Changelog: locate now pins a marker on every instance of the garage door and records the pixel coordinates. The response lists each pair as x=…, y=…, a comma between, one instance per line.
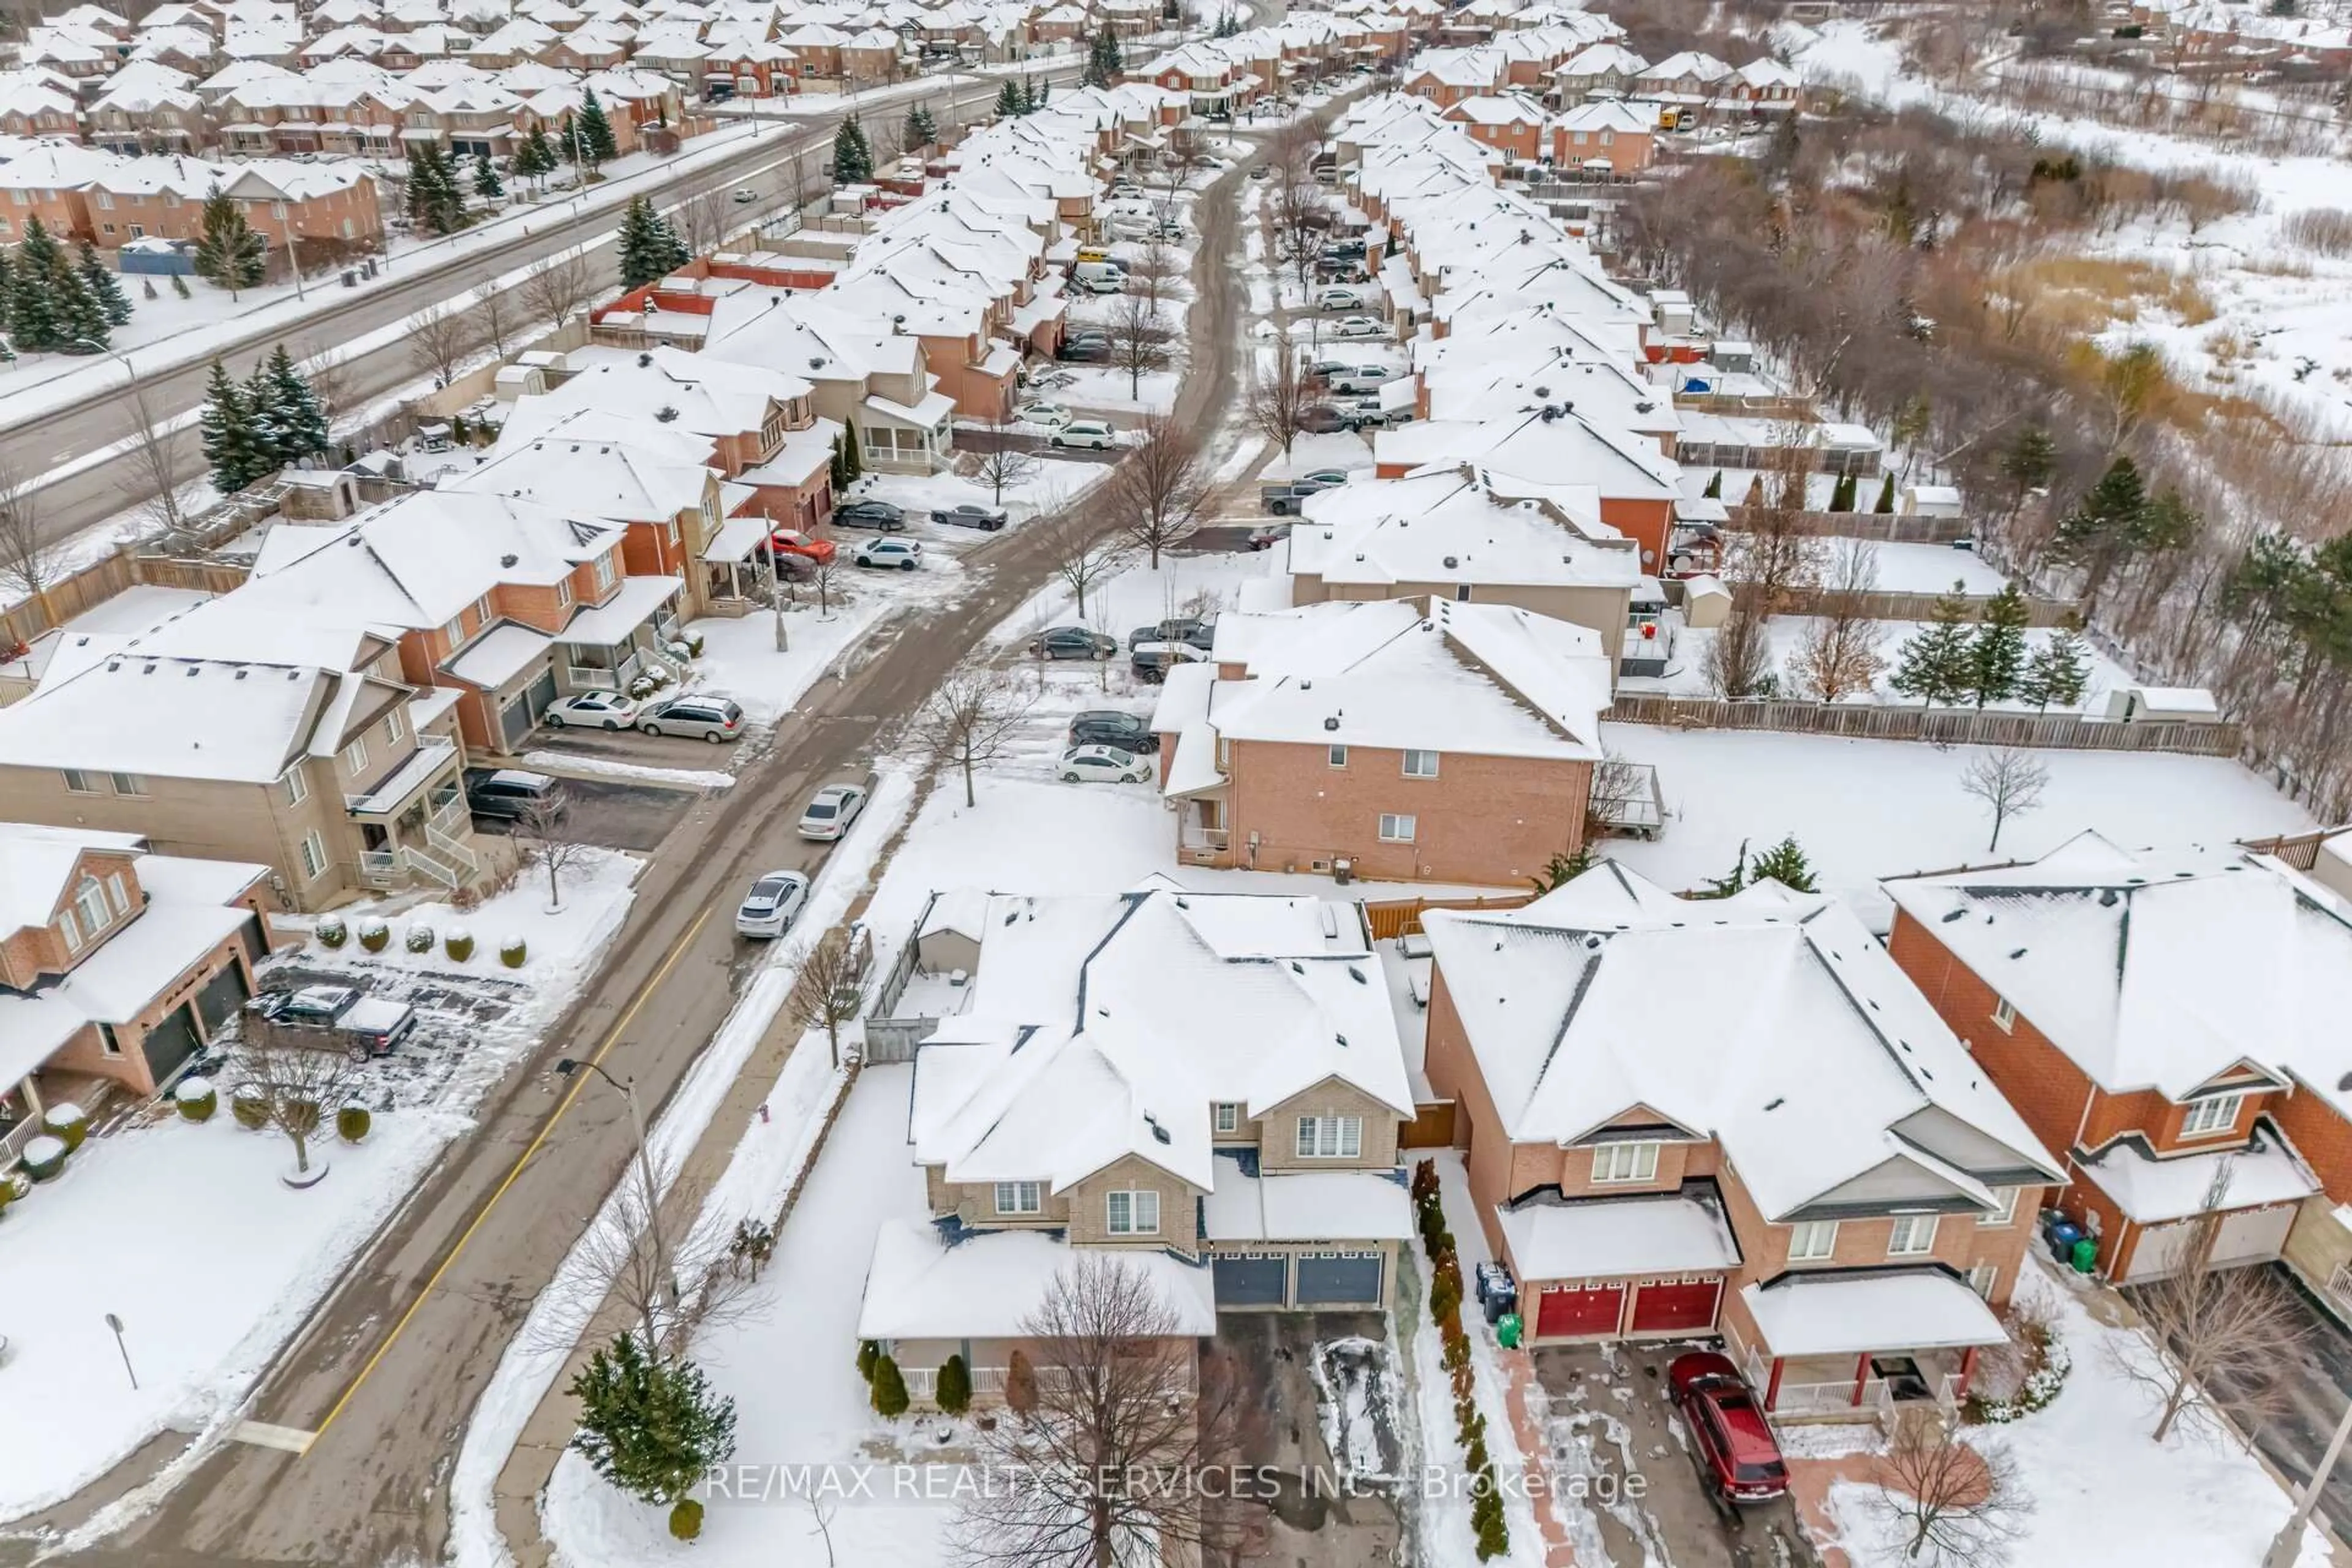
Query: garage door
x=541, y=693
x=2253, y=1236
x=170, y=1043
x=515, y=720
x=1251, y=1279
x=1679, y=1306
x=1339, y=1279
x=1578, y=1309
x=223, y=994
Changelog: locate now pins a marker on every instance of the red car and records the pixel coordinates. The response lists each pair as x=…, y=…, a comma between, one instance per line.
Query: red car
x=1733, y=1441
x=790, y=541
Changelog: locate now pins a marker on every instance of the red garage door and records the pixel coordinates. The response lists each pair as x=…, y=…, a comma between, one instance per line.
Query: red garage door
x=1685, y=1306
x=1578, y=1309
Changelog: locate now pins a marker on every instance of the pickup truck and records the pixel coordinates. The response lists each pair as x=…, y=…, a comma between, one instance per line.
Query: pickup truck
x=1284, y=499
x=337, y=1017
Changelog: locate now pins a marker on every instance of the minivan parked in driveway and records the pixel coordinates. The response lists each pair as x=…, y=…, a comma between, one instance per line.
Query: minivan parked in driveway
x=713, y=718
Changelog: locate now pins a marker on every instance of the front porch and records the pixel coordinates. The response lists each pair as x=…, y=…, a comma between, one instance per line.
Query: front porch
x=1862, y=1346
x=607, y=647
x=896, y=439
x=415, y=825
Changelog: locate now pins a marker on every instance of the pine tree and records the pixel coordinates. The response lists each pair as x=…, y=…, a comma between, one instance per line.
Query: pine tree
x=837, y=468
x=229, y=254
x=1997, y=652
x=1936, y=664
x=434, y=202
x=954, y=1389
x=225, y=428
x=1563, y=868
x=535, y=158
x=1724, y=887
x=111, y=300
x=1841, y=494
x=922, y=130
x=1785, y=863
x=262, y=426
x=1008, y=100
x=567, y=139
x=889, y=1388
x=1034, y=94
x=596, y=143
x=302, y=418
x=2057, y=672
x=651, y=1429
x=2030, y=462
x=2104, y=526
x=650, y=249
x=853, y=461
x=33, y=305
x=1714, y=491
x=1105, y=65
x=487, y=183
x=180, y=287
x=8, y=289
x=1885, y=497
x=853, y=156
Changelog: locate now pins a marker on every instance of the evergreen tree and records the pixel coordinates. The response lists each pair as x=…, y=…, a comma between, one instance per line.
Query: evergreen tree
x=33, y=314
x=853, y=461
x=535, y=158
x=229, y=254
x=1034, y=94
x=1885, y=497
x=651, y=1429
x=1997, y=652
x=1785, y=863
x=261, y=422
x=1714, y=491
x=922, y=130
x=567, y=139
x=8, y=289
x=434, y=202
x=2057, y=672
x=1936, y=664
x=1724, y=887
x=1105, y=65
x=1008, y=100
x=112, y=302
x=1563, y=869
x=180, y=287
x=837, y=469
x=225, y=428
x=889, y=1388
x=300, y=418
x=853, y=156
x=954, y=1388
x=596, y=143
x=650, y=249
x=1841, y=494
x=2104, y=526
x=2030, y=462
x=487, y=183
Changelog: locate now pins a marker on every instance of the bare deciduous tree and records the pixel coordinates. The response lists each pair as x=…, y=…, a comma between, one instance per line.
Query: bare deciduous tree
x=1141, y=340
x=1956, y=1505
x=543, y=829
x=1004, y=464
x=830, y=989
x=1124, y=1421
x=1296, y=210
x=1739, y=661
x=1838, y=655
x=440, y=338
x=330, y=376
x=1082, y=555
x=29, y=562
x=1157, y=274
x=1156, y=492
x=298, y=1077
x=702, y=221
x=556, y=287
x=830, y=582
x=971, y=718
x=498, y=312
x=153, y=469
x=1617, y=783
x=2220, y=1338
x=2010, y=781
x=1278, y=393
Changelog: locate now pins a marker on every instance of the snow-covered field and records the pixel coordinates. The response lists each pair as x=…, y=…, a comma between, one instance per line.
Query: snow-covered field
x=1686, y=674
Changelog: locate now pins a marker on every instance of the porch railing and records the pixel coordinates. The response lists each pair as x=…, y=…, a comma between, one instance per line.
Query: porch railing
x=923, y=1382
x=452, y=848
x=588, y=678
x=379, y=868
x=1835, y=1400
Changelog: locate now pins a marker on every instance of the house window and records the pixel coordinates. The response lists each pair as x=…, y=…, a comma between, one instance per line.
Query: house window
x=1018, y=1197
x=563, y=591
x=395, y=728
x=1335, y=755
x=80, y=782
x=1229, y=1116
x=128, y=783
x=117, y=895
x=1981, y=1278
x=455, y=632
x=356, y=754
x=1421, y=765
x=481, y=612
x=69, y=931
x=1396, y=828
x=89, y=904
x=1812, y=1240
x=2003, y=1016
x=1132, y=1213
x=2006, y=1211
x=2206, y=1117
x=1911, y=1235
x=1625, y=1163
x=603, y=572
x=1331, y=1137
x=314, y=854
x=108, y=1041
x=294, y=787
x=138, y=231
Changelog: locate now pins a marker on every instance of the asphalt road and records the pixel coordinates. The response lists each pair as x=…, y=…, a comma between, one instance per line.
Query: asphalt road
x=399, y=1371
x=38, y=444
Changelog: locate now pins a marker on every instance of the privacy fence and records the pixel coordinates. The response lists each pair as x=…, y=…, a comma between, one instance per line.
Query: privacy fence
x=1941, y=726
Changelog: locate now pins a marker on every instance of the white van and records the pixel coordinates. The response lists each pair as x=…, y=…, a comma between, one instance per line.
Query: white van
x=1100, y=276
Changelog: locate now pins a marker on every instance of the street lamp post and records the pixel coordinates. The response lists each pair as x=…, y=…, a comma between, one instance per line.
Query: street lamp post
x=565, y=1068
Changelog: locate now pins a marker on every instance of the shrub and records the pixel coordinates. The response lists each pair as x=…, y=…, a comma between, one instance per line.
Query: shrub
x=458, y=945
x=1494, y=1535
x=420, y=938
x=1020, y=1385
x=1457, y=1347
x=1445, y=1295
x=512, y=951
x=685, y=1519
x=1424, y=1182
x=1474, y=1456
x=352, y=1123
x=374, y=935
x=465, y=899
x=889, y=1389
x=868, y=1352
x=12, y=1187
x=66, y=1122
x=2327, y=230
x=694, y=644
x=250, y=1107
x=1463, y=1378
x=954, y=1387
x=44, y=1157
x=331, y=931
x=195, y=1098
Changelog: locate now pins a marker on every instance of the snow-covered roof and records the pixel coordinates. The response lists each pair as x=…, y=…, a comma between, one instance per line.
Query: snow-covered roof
x=920, y=1286
x=36, y=863
x=1597, y=1238
x=1807, y=1054
x=177, y=717
x=1448, y=528
x=1834, y=1314
x=1305, y=1206
x=2150, y=1191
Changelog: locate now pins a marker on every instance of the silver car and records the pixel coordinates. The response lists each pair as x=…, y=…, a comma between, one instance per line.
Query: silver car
x=772, y=904
x=831, y=812
x=713, y=718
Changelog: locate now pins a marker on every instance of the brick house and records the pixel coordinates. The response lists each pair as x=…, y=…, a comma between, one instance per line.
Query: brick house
x=1602, y=134
x=1415, y=740
x=2170, y=1021
x=1792, y=1153
x=1198, y=1084
x=117, y=965
x=1511, y=123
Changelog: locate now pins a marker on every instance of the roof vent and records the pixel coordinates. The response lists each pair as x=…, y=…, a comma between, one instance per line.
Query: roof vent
x=1776, y=1103
x=149, y=669
x=1452, y=562
x=1951, y=915
x=666, y=414
x=1332, y=724
x=241, y=674
x=192, y=670
x=1357, y=975
x=644, y=360
x=2017, y=953
x=2107, y=898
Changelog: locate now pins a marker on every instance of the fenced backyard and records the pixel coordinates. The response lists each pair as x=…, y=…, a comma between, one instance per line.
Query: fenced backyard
x=1938, y=726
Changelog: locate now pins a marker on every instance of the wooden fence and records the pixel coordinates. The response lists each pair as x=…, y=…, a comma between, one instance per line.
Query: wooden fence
x=1431, y=1126
x=1886, y=527
x=1887, y=607
x=1942, y=726
x=1401, y=917
x=2300, y=850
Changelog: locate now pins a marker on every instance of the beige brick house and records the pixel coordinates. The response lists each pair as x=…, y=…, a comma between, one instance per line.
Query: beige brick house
x=1733, y=1117
x=1209, y=1086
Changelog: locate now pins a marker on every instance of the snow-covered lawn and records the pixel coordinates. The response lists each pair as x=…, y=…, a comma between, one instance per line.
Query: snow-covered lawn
x=1868, y=809
x=1108, y=389
x=1686, y=673
x=1051, y=482
x=1933, y=569
x=740, y=657
x=2102, y=1492
x=1183, y=585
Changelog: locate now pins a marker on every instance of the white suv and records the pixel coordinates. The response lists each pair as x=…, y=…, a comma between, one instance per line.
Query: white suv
x=1092, y=433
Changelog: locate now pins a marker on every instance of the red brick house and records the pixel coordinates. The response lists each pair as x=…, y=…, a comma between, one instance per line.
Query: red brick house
x=1510, y=123
x=1735, y=1117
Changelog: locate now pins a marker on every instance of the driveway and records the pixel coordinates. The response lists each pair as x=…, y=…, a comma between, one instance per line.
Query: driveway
x=1315, y=1523
x=1611, y=1420
x=616, y=814
x=2316, y=1386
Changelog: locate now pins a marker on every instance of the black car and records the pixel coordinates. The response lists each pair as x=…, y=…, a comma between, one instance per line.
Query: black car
x=1109, y=727
x=1089, y=351
x=878, y=514
x=505, y=793
x=967, y=515
x=1153, y=662
x=1199, y=633
x=1322, y=419
x=1343, y=250
x=1071, y=642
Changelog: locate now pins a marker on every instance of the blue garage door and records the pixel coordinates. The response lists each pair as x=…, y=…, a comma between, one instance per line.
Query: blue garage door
x=1339, y=1279
x=1251, y=1279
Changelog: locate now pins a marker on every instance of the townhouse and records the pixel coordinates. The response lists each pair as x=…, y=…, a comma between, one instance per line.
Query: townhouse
x=1204, y=1087
x=118, y=965
x=1397, y=740
x=111, y=199
x=1791, y=1150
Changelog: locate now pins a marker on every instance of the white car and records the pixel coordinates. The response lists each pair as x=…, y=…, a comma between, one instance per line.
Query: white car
x=1357, y=327
x=831, y=811
x=1103, y=764
x=1085, y=432
x=774, y=903
x=1101, y=284
x=595, y=711
x=745, y=196
x=1340, y=297
x=904, y=555
x=1046, y=416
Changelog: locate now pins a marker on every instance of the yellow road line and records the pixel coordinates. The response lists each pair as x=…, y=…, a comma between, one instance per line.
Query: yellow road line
x=579, y=1081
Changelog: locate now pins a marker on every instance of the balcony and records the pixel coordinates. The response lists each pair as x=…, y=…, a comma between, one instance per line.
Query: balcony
x=396, y=790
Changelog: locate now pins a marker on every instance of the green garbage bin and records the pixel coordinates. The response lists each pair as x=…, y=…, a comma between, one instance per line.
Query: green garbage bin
x=2086, y=1255
x=1508, y=1330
